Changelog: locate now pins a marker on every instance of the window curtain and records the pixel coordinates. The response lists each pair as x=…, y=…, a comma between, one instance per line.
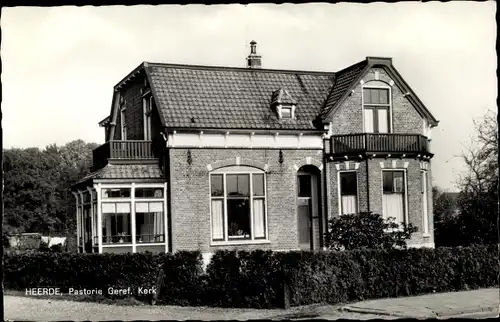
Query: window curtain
x=393, y=206
x=349, y=204
x=156, y=210
x=258, y=218
x=368, y=120
x=383, y=126
x=217, y=219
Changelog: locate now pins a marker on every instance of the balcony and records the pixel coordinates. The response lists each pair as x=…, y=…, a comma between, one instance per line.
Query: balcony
x=410, y=145
x=122, y=150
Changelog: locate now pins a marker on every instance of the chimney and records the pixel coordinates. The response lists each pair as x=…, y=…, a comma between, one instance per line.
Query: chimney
x=253, y=60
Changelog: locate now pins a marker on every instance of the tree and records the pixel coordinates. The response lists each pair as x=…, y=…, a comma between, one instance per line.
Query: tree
x=478, y=199
x=36, y=183
x=446, y=232
x=366, y=230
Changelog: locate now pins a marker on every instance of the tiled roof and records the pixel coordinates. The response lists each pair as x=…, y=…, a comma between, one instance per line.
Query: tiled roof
x=343, y=80
x=231, y=98
x=126, y=171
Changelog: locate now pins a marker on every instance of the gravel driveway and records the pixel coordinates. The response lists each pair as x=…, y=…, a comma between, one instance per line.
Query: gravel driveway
x=28, y=308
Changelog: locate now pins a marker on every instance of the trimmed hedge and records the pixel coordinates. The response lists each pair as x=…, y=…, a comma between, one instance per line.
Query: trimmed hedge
x=263, y=279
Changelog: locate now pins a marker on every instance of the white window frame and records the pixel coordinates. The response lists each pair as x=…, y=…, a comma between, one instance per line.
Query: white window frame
x=132, y=200
x=246, y=171
x=388, y=87
x=147, y=108
x=405, y=184
x=339, y=192
x=425, y=202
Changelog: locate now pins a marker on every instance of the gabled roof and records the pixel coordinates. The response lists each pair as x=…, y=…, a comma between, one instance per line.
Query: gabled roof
x=209, y=97
x=344, y=79
x=235, y=98
x=282, y=96
x=347, y=79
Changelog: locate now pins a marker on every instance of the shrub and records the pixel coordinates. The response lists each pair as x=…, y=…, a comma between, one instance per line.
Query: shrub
x=367, y=230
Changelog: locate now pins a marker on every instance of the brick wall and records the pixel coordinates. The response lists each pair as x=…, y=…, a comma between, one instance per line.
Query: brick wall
x=190, y=195
x=349, y=117
x=414, y=195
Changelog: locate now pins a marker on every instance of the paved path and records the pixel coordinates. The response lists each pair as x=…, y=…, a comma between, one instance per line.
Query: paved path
x=479, y=303
x=468, y=303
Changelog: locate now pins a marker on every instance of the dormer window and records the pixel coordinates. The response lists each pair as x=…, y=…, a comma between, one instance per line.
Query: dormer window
x=283, y=104
x=286, y=113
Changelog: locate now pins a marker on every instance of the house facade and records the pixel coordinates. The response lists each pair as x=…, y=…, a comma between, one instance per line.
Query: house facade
x=207, y=158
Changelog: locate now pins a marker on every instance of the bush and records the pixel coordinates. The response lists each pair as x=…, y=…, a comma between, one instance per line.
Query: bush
x=262, y=279
x=367, y=230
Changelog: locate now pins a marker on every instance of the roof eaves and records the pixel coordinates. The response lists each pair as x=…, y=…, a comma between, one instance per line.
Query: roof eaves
x=130, y=75
x=147, y=66
x=351, y=86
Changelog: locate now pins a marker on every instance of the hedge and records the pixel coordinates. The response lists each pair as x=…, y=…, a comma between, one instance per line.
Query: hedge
x=263, y=279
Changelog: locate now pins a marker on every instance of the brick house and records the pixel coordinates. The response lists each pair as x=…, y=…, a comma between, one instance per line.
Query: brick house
x=205, y=158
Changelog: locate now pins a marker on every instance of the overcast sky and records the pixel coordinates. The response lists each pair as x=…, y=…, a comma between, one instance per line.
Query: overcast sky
x=60, y=64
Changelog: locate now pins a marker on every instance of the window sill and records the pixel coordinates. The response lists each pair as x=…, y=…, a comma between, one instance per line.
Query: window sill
x=426, y=235
x=240, y=242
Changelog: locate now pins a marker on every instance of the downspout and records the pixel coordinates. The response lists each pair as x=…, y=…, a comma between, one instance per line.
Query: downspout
x=168, y=176
x=325, y=215
x=367, y=186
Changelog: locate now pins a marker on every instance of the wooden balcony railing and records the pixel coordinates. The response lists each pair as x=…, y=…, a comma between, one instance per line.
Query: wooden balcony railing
x=125, y=150
x=379, y=143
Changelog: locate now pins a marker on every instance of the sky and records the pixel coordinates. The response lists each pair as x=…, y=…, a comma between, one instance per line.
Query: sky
x=60, y=63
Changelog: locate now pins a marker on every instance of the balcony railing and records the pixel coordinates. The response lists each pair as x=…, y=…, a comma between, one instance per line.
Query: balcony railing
x=378, y=143
x=125, y=150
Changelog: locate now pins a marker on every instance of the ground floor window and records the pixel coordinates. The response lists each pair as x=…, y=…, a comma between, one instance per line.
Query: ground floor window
x=348, y=192
x=116, y=222
x=149, y=225
x=393, y=197
x=238, y=206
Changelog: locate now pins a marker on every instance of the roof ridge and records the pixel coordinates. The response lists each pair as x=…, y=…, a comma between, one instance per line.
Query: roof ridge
x=243, y=69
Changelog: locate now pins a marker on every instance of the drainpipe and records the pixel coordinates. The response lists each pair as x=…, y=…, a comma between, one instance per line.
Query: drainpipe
x=367, y=186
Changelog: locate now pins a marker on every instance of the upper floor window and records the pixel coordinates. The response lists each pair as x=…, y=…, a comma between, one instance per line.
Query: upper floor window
x=376, y=109
x=123, y=124
x=147, y=103
x=238, y=205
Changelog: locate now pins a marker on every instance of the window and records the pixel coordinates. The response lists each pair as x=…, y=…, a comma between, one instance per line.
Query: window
x=116, y=222
x=238, y=201
x=149, y=226
x=348, y=192
x=149, y=192
x=286, y=113
x=123, y=124
x=116, y=193
x=393, y=198
x=376, y=104
x=147, y=108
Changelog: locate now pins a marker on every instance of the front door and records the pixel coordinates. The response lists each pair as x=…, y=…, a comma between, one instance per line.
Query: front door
x=306, y=208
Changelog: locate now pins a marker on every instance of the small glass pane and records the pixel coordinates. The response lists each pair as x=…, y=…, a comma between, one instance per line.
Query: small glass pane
x=374, y=96
x=116, y=193
x=304, y=186
x=286, y=113
x=384, y=96
x=387, y=181
x=398, y=182
x=237, y=185
x=348, y=183
x=216, y=186
x=258, y=184
x=149, y=192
